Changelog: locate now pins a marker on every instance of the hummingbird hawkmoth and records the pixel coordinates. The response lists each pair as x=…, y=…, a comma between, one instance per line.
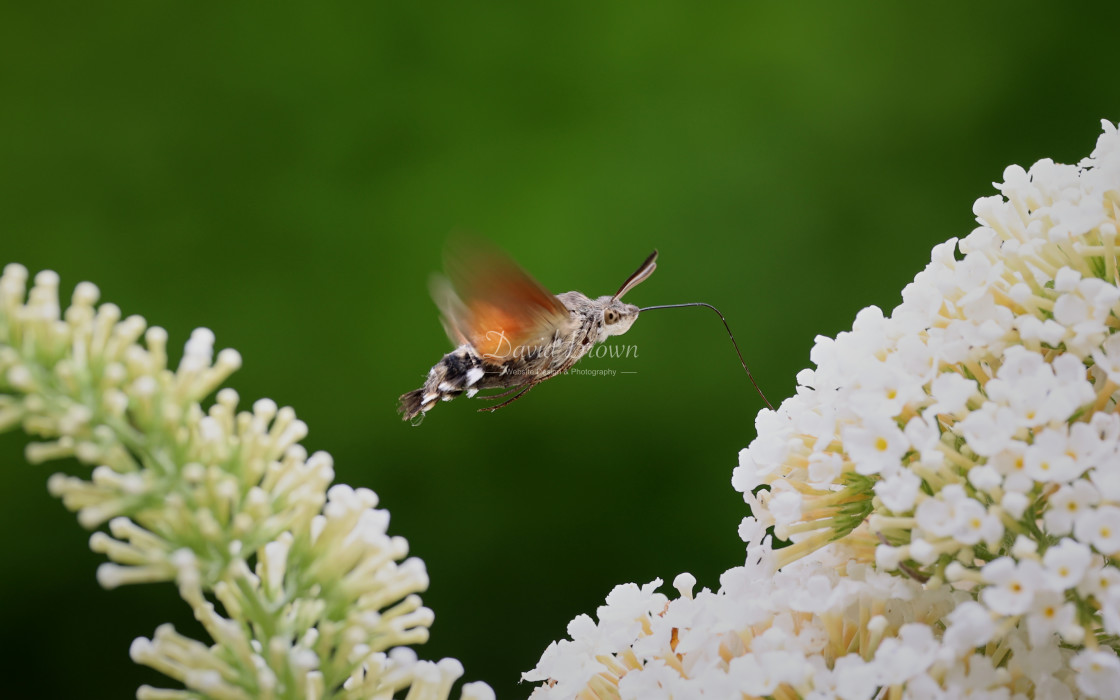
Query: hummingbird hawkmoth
x=511, y=332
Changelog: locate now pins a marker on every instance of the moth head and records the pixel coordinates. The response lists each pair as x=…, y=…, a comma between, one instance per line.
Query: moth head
x=618, y=316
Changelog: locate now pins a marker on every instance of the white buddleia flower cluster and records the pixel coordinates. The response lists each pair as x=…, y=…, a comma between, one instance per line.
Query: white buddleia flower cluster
x=315, y=598
x=817, y=629
x=967, y=448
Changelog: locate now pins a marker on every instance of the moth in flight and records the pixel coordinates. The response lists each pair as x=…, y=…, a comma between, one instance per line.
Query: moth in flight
x=512, y=333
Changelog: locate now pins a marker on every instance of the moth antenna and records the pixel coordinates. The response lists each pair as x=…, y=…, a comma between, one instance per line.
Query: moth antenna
x=640, y=275
x=729, y=335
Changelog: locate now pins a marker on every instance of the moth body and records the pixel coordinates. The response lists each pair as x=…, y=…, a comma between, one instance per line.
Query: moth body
x=505, y=365
x=511, y=333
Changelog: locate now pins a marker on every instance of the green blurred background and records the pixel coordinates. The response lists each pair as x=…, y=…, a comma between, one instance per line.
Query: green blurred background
x=287, y=175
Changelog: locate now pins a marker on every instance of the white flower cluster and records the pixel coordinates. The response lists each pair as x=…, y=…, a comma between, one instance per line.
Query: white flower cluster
x=968, y=445
x=316, y=598
x=820, y=628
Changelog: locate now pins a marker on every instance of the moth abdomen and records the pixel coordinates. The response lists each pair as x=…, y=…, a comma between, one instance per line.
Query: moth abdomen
x=457, y=373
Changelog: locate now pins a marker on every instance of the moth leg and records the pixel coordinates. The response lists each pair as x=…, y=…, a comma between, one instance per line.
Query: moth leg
x=519, y=394
x=508, y=401
x=507, y=392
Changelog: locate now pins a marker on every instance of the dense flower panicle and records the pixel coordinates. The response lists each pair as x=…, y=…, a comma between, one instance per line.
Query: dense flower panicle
x=316, y=599
x=818, y=628
x=968, y=446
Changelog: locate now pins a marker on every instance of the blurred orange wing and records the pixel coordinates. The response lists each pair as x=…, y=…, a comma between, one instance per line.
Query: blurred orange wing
x=493, y=304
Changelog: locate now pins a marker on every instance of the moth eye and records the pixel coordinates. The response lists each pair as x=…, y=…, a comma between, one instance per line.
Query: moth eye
x=610, y=316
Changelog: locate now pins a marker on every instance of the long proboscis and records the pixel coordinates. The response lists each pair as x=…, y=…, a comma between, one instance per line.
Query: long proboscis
x=729, y=335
